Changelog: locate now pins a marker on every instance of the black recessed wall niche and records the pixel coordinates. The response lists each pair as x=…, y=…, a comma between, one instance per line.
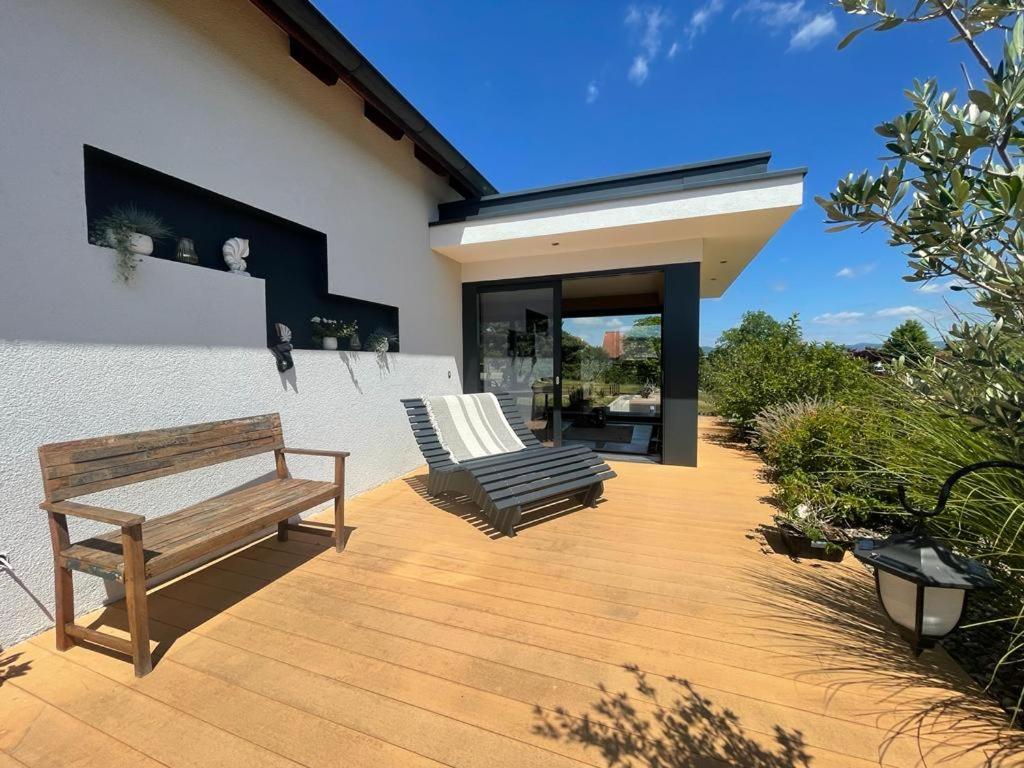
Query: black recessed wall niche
x=290, y=258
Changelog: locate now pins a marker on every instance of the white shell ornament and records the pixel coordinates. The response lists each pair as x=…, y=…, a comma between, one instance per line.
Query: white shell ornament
x=236, y=251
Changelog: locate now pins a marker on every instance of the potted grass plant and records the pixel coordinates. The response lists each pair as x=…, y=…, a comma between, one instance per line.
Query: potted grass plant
x=131, y=232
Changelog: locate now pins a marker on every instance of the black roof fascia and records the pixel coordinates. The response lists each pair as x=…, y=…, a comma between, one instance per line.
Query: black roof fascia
x=690, y=176
x=303, y=22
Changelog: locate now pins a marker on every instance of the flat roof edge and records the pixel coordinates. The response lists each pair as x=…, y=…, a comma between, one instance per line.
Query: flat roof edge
x=613, y=188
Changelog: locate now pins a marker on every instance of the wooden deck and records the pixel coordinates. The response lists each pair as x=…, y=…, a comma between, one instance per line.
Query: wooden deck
x=658, y=629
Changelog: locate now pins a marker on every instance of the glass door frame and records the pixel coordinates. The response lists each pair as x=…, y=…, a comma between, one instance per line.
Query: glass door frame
x=471, y=358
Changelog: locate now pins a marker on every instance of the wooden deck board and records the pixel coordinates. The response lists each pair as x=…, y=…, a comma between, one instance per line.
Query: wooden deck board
x=430, y=642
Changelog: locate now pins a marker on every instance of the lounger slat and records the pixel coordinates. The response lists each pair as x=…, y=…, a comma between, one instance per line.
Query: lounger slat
x=541, y=482
x=497, y=485
x=548, y=464
x=556, y=491
x=502, y=463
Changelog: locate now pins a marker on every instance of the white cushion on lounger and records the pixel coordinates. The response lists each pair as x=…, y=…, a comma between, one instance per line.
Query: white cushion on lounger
x=472, y=426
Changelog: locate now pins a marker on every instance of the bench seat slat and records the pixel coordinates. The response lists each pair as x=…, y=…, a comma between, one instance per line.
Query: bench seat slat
x=189, y=533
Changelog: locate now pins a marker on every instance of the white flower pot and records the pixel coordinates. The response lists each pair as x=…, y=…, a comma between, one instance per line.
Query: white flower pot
x=330, y=342
x=140, y=245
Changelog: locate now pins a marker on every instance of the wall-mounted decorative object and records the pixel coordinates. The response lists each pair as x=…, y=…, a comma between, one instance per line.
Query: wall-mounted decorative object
x=187, y=251
x=328, y=331
x=380, y=341
x=236, y=251
x=283, y=349
x=354, y=343
x=131, y=232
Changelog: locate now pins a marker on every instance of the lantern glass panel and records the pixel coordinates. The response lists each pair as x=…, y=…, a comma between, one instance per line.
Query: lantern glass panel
x=942, y=610
x=942, y=606
x=899, y=598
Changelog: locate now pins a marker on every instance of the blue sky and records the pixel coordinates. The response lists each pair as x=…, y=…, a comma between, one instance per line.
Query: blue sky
x=542, y=93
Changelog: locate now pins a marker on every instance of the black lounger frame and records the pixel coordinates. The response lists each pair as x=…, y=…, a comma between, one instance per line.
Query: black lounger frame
x=506, y=485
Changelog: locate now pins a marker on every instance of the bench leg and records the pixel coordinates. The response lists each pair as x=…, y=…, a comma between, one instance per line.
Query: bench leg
x=282, y=531
x=135, y=599
x=339, y=504
x=339, y=524
x=63, y=588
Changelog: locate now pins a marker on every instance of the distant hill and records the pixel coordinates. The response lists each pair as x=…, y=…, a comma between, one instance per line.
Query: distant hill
x=862, y=347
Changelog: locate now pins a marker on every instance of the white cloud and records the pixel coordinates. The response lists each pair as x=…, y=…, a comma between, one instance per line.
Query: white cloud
x=701, y=18
x=904, y=311
x=673, y=50
x=813, y=32
x=592, y=92
x=779, y=286
x=807, y=29
x=776, y=15
x=939, y=286
x=648, y=22
x=639, y=71
x=856, y=271
x=837, y=318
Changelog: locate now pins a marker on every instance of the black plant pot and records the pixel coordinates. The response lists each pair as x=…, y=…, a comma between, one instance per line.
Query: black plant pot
x=797, y=544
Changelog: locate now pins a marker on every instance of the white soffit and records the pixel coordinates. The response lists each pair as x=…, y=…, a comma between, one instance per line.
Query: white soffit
x=734, y=220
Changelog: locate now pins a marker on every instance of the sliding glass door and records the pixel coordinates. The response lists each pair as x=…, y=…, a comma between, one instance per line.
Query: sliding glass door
x=518, y=351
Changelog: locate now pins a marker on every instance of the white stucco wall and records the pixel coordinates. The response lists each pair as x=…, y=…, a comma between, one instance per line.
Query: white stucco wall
x=204, y=91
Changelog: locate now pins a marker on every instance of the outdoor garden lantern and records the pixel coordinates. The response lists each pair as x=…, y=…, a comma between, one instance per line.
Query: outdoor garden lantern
x=921, y=584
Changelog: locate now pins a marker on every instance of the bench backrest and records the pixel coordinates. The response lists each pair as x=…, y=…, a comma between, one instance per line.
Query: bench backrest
x=79, y=467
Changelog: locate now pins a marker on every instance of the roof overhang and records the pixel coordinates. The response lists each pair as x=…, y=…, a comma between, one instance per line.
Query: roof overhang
x=316, y=44
x=719, y=213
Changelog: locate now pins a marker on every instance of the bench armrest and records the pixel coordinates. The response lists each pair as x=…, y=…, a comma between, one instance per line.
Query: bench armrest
x=109, y=516
x=314, y=452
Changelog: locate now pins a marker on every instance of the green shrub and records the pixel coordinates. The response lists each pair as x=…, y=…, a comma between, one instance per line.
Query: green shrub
x=764, y=363
x=819, y=453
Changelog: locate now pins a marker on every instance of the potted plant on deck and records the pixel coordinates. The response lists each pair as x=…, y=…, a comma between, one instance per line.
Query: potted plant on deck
x=328, y=331
x=131, y=232
x=810, y=533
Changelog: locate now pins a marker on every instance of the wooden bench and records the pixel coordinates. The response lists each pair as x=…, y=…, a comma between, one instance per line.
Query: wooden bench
x=143, y=549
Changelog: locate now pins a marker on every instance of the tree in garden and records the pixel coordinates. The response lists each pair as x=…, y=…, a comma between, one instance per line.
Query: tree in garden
x=760, y=326
x=909, y=341
x=952, y=197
